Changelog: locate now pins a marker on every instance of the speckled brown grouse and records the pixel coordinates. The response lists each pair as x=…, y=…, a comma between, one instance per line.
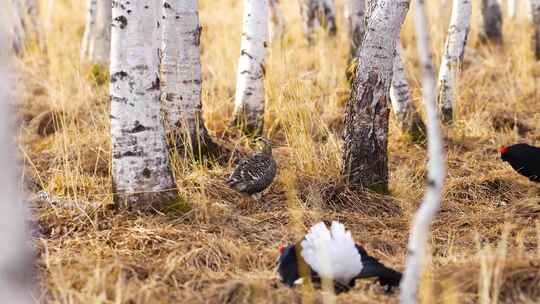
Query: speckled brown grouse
x=254, y=174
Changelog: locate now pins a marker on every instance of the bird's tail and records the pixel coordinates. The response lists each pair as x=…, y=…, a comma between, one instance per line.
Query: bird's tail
x=331, y=253
x=375, y=269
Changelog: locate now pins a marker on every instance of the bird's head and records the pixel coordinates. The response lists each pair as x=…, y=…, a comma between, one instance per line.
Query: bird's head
x=266, y=145
x=504, y=152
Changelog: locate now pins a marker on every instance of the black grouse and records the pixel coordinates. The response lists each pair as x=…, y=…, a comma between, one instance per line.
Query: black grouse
x=254, y=174
x=332, y=255
x=524, y=158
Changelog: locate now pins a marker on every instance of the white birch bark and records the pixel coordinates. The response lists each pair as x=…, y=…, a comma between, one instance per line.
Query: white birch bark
x=400, y=95
x=492, y=21
x=277, y=19
x=100, y=44
x=453, y=57
x=355, y=15
x=16, y=267
x=535, y=8
x=249, y=99
x=528, y=9
x=181, y=75
x=89, y=28
x=141, y=173
x=365, y=158
x=436, y=167
x=511, y=5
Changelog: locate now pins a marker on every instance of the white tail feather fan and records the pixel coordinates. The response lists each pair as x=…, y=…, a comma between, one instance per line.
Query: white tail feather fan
x=332, y=254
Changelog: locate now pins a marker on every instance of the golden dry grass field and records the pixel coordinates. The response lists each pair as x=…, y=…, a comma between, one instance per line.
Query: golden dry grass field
x=220, y=247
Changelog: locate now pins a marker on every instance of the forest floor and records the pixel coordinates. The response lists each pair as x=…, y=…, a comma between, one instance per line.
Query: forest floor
x=220, y=247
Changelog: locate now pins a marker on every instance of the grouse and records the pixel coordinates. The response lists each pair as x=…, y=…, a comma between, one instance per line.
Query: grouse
x=524, y=158
x=331, y=255
x=254, y=174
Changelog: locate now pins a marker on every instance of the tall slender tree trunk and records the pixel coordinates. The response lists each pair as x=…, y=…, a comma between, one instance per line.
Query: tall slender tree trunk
x=492, y=21
x=436, y=168
x=453, y=57
x=365, y=159
x=405, y=111
x=142, y=177
x=181, y=77
x=355, y=15
x=89, y=28
x=100, y=45
x=535, y=8
x=16, y=265
x=96, y=44
x=277, y=19
x=250, y=99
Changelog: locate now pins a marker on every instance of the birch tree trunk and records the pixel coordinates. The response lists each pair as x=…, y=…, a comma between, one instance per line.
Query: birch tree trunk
x=535, y=8
x=277, y=19
x=141, y=173
x=436, y=167
x=355, y=15
x=492, y=21
x=405, y=111
x=453, y=57
x=249, y=99
x=16, y=268
x=181, y=77
x=512, y=8
x=89, y=28
x=100, y=45
x=365, y=159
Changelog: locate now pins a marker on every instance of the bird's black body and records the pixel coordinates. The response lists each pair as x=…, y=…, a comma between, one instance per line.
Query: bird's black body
x=524, y=158
x=290, y=262
x=254, y=174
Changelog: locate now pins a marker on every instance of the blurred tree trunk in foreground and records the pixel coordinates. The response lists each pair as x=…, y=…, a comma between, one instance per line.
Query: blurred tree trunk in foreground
x=436, y=168
x=365, y=159
x=535, y=9
x=250, y=100
x=492, y=21
x=89, y=28
x=277, y=19
x=318, y=13
x=96, y=44
x=141, y=174
x=453, y=57
x=181, y=78
x=16, y=258
x=355, y=12
x=407, y=116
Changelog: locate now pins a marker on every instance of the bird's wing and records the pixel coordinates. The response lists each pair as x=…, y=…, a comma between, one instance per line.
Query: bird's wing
x=332, y=254
x=252, y=170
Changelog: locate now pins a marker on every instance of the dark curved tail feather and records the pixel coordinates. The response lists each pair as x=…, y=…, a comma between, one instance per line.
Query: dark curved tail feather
x=372, y=268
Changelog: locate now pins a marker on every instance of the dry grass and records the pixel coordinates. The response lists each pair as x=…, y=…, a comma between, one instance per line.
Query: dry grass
x=218, y=247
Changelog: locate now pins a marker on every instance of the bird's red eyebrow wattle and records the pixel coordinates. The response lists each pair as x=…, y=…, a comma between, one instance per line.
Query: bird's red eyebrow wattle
x=281, y=248
x=503, y=149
